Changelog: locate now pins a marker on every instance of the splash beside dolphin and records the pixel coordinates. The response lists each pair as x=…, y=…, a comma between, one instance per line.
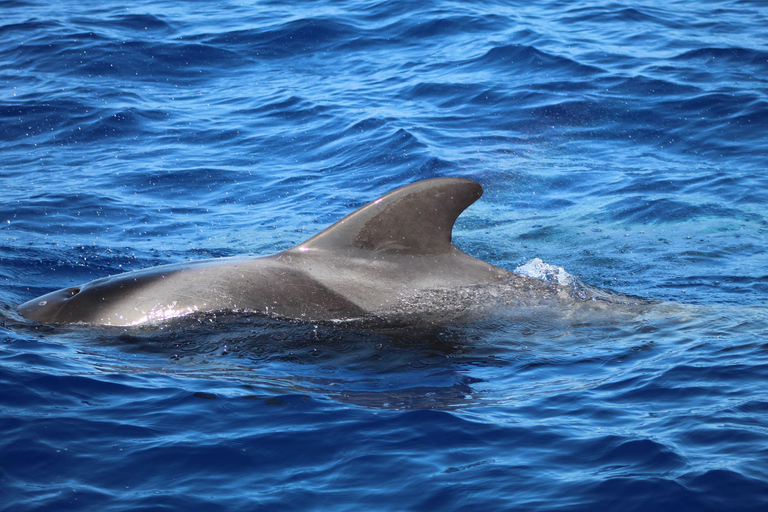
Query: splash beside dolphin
x=392, y=258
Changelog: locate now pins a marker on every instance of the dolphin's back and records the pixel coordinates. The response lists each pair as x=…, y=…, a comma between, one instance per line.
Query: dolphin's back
x=378, y=259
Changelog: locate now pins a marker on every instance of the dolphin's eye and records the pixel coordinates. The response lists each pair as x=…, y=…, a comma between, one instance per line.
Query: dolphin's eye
x=73, y=291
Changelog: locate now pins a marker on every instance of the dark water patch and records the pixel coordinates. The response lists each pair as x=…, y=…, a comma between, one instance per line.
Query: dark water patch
x=540, y=232
x=622, y=456
x=575, y=113
x=98, y=56
x=715, y=184
x=387, y=146
x=293, y=109
x=718, y=105
x=445, y=94
x=732, y=438
x=296, y=37
x=436, y=167
x=34, y=118
x=651, y=88
x=127, y=123
x=529, y=36
x=742, y=491
x=452, y=26
x=643, y=210
x=32, y=25
x=752, y=406
x=735, y=56
x=153, y=61
x=628, y=16
x=738, y=285
x=659, y=492
x=135, y=22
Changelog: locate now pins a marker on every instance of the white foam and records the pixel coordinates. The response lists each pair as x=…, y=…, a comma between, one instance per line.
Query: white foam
x=544, y=271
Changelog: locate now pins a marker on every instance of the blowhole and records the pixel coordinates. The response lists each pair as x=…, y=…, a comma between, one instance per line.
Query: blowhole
x=73, y=291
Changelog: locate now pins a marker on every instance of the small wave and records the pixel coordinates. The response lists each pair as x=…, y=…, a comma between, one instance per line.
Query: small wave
x=528, y=58
x=645, y=210
x=135, y=22
x=611, y=14
x=737, y=56
x=294, y=37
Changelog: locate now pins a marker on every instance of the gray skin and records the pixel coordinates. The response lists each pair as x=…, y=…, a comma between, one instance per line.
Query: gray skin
x=387, y=259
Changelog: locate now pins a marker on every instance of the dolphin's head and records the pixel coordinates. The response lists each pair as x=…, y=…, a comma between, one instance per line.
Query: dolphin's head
x=107, y=301
x=55, y=307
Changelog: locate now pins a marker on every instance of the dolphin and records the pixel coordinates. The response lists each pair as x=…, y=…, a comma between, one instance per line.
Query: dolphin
x=392, y=259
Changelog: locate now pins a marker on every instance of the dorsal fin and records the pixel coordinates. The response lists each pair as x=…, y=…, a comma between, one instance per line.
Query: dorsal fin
x=415, y=219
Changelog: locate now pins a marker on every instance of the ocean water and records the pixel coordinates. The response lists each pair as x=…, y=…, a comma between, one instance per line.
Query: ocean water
x=626, y=142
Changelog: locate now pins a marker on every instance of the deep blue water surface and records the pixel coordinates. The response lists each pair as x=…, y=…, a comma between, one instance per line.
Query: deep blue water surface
x=624, y=141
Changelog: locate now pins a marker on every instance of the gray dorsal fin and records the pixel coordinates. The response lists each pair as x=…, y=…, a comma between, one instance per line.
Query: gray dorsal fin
x=415, y=219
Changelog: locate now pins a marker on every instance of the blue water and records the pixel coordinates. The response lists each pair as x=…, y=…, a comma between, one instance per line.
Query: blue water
x=624, y=141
